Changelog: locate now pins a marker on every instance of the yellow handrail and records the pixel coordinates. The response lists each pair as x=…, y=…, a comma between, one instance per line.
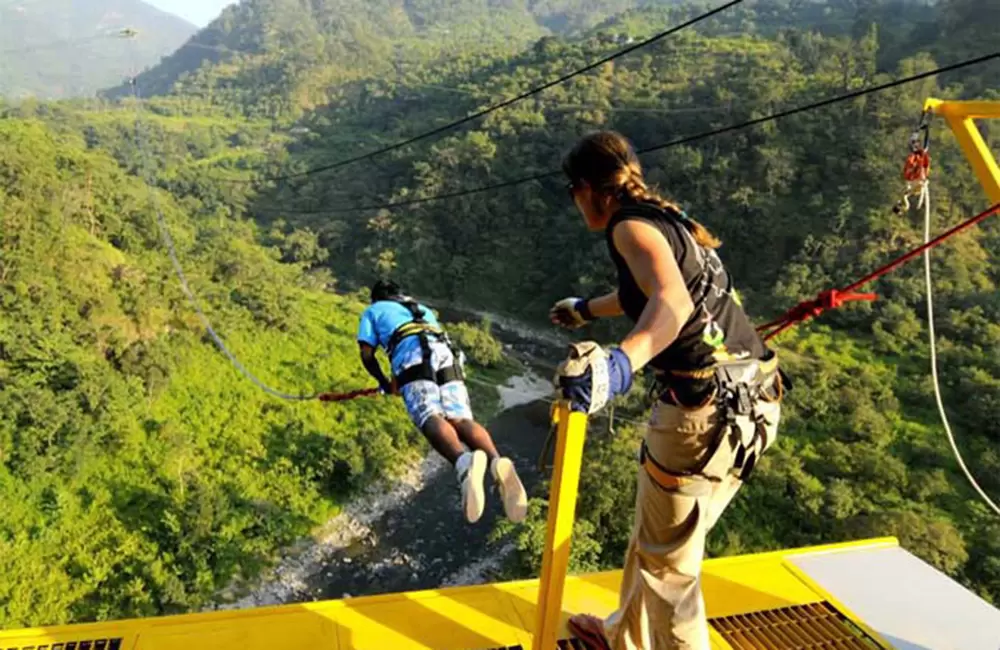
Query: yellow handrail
x=571, y=432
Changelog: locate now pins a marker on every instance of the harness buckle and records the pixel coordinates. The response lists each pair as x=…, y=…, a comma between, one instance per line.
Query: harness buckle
x=741, y=399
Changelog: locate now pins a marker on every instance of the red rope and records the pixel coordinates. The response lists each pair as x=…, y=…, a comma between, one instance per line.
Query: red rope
x=343, y=397
x=834, y=298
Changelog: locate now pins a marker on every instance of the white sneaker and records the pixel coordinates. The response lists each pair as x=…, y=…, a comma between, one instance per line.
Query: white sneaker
x=515, y=500
x=471, y=470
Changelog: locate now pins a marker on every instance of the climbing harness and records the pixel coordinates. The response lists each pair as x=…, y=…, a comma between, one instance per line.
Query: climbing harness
x=420, y=328
x=738, y=388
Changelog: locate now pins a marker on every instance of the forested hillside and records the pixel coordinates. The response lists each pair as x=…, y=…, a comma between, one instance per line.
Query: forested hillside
x=139, y=473
x=276, y=57
x=143, y=474
x=68, y=48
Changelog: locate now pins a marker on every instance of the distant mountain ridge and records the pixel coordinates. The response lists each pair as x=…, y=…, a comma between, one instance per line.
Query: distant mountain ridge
x=296, y=49
x=56, y=49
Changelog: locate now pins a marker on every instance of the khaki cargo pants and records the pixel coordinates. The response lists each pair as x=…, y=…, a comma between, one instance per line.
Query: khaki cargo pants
x=660, y=604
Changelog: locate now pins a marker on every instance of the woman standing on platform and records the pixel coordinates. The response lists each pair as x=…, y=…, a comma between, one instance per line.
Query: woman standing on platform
x=718, y=384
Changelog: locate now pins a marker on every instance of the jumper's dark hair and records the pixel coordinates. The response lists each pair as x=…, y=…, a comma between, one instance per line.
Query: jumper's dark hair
x=607, y=162
x=383, y=290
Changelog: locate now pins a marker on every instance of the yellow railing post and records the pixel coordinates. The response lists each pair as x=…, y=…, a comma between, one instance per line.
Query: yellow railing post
x=960, y=117
x=571, y=432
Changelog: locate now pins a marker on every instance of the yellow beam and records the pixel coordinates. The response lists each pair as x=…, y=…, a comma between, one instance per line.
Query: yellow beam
x=978, y=154
x=960, y=116
x=562, y=512
x=975, y=110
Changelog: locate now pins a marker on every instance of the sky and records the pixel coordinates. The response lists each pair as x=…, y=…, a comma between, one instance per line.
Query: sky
x=199, y=12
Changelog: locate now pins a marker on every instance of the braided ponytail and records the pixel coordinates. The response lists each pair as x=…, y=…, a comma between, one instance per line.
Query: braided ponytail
x=635, y=188
x=607, y=161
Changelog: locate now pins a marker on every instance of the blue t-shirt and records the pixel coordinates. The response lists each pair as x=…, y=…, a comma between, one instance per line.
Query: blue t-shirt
x=381, y=319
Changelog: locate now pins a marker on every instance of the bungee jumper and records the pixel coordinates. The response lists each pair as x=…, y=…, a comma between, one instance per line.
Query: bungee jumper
x=427, y=372
x=718, y=387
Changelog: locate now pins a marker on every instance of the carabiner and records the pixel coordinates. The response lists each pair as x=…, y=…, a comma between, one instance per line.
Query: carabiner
x=921, y=136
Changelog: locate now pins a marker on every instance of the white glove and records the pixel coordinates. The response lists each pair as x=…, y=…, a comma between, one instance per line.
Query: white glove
x=591, y=376
x=570, y=313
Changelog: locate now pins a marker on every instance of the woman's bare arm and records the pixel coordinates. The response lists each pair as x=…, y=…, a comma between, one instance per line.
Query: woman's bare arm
x=651, y=261
x=606, y=306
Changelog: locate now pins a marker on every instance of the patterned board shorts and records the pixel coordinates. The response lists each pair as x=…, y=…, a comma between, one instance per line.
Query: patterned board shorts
x=424, y=398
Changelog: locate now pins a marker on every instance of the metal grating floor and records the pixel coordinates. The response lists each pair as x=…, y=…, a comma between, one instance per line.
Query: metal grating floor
x=562, y=644
x=571, y=644
x=86, y=644
x=803, y=627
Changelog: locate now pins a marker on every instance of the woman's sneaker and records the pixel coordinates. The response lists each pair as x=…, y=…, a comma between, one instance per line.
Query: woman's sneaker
x=471, y=470
x=515, y=500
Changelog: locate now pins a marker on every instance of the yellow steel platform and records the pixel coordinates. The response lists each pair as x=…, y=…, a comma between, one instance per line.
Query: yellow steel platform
x=766, y=588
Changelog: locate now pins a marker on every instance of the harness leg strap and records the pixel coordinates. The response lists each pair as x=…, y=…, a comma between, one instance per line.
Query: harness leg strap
x=693, y=485
x=421, y=371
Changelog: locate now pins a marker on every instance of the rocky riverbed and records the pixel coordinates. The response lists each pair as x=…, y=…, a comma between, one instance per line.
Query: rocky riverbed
x=409, y=533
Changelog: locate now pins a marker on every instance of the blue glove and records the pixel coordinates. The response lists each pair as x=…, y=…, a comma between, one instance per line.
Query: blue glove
x=591, y=377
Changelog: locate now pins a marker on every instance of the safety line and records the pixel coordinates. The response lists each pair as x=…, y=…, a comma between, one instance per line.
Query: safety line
x=673, y=143
x=494, y=107
x=925, y=197
x=172, y=251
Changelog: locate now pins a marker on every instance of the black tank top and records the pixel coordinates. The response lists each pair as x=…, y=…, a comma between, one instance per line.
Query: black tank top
x=719, y=329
